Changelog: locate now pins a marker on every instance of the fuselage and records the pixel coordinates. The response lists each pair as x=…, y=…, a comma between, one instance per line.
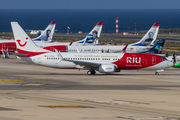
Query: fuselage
x=10, y=46
x=96, y=48
x=7, y=45
x=122, y=61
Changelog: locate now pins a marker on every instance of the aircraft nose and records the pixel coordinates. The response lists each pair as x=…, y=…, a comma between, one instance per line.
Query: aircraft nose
x=170, y=64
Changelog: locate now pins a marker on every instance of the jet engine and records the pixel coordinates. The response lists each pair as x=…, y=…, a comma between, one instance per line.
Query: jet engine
x=108, y=68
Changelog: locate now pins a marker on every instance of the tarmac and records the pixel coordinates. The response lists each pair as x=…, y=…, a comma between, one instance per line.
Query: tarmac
x=33, y=92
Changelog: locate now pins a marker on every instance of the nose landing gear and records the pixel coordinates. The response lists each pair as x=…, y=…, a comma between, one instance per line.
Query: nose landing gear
x=156, y=73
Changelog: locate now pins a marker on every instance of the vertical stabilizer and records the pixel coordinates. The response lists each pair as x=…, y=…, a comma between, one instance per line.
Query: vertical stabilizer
x=157, y=48
x=149, y=37
x=93, y=36
x=47, y=34
x=24, y=43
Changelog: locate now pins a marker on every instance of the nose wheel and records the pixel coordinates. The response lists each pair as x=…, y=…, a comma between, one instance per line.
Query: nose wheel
x=92, y=72
x=156, y=73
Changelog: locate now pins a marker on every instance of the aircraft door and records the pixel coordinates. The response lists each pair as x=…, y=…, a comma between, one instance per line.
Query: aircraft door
x=137, y=50
x=153, y=60
x=39, y=59
x=52, y=49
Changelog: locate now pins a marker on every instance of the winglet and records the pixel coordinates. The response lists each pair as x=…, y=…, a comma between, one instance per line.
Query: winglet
x=70, y=43
x=124, y=49
x=59, y=56
x=78, y=50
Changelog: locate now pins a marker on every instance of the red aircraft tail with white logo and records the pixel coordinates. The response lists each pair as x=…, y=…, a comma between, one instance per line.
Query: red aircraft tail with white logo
x=24, y=43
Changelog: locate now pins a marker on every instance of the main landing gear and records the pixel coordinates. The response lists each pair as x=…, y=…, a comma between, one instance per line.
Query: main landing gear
x=91, y=72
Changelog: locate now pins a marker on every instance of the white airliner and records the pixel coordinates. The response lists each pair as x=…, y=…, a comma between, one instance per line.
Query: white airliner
x=143, y=45
x=102, y=62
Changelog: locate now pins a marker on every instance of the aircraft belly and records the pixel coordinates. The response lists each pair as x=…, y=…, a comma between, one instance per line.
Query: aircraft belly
x=62, y=64
x=27, y=59
x=161, y=65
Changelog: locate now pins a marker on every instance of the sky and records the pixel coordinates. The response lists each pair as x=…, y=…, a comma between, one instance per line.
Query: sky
x=89, y=4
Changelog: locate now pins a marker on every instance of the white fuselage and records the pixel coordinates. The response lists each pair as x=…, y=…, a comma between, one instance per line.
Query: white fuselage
x=51, y=60
x=99, y=48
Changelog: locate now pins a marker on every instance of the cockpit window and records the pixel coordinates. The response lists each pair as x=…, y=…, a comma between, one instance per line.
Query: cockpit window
x=163, y=59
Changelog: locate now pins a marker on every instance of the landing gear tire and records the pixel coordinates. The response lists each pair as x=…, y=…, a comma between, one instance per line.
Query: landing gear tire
x=156, y=73
x=91, y=72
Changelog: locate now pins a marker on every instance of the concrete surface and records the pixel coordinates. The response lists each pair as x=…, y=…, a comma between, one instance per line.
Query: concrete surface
x=32, y=92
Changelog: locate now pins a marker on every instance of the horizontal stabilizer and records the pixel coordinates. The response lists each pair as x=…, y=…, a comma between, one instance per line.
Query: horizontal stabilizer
x=19, y=55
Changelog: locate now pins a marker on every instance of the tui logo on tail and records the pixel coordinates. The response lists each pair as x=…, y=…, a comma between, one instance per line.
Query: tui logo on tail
x=22, y=45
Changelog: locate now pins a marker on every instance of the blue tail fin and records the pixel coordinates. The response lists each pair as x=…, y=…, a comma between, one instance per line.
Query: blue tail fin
x=157, y=48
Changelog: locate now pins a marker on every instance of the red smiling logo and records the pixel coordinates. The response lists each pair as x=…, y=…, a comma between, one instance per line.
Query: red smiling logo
x=22, y=45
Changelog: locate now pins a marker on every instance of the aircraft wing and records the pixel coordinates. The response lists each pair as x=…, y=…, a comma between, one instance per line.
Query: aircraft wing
x=79, y=64
x=85, y=65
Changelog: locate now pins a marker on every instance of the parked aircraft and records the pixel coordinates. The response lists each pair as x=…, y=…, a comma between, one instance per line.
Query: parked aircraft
x=91, y=39
x=177, y=65
x=102, y=62
x=143, y=45
x=158, y=48
x=174, y=58
x=45, y=39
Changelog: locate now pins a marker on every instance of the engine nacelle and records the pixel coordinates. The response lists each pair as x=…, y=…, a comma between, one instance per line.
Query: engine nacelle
x=108, y=69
